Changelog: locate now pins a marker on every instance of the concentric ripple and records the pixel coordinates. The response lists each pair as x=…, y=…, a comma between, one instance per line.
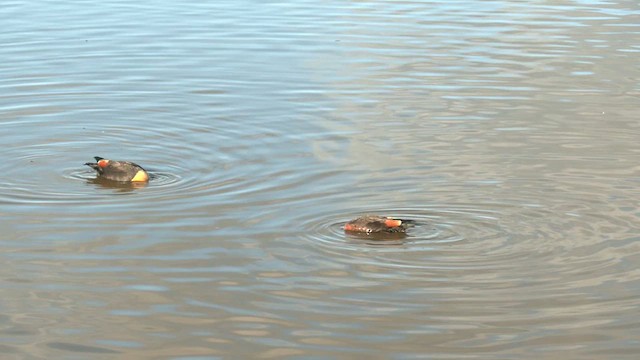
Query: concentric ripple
x=331, y=233
x=160, y=178
x=438, y=231
x=41, y=169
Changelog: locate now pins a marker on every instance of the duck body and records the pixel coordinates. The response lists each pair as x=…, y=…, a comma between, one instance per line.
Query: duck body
x=122, y=171
x=373, y=224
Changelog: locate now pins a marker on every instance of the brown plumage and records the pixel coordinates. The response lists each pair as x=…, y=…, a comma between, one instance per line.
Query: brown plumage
x=377, y=224
x=123, y=171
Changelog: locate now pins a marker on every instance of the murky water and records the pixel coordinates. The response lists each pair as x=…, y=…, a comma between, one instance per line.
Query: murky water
x=508, y=130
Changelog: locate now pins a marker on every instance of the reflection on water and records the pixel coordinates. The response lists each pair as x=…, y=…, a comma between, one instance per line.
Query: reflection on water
x=506, y=130
x=122, y=186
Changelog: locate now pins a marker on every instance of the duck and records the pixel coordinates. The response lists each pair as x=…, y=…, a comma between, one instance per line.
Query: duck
x=122, y=171
x=374, y=224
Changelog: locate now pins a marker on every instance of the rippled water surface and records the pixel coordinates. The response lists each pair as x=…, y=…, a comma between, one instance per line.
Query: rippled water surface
x=508, y=130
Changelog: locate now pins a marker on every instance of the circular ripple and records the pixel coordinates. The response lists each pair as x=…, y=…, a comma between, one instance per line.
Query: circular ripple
x=158, y=178
x=77, y=173
x=422, y=231
x=438, y=231
x=39, y=168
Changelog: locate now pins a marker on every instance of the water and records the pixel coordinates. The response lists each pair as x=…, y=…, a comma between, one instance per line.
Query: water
x=508, y=130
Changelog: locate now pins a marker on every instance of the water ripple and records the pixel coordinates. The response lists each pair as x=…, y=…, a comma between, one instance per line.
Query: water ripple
x=438, y=231
x=507, y=131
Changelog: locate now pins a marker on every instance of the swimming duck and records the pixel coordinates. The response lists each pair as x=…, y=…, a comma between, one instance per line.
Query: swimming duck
x=123, y=171
x=376, y=224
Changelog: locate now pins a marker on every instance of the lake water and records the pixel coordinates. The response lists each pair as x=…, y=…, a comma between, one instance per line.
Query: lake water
x=509, y=130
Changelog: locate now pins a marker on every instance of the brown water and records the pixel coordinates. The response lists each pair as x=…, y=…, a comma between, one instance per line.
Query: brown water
x=507, y=129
